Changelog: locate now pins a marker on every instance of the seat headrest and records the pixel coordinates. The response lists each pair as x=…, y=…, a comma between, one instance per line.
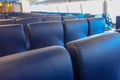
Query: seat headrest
x=52, y=18
x=75, y=29
x=69, y=17
x=25, y=21
x=96, y=25
x=96, y=57
x=12, y=39
x=6, y=21
x=50, y=63
x=46, y=34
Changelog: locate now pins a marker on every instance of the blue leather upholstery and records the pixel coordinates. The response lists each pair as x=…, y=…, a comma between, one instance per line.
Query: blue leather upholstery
x=96, y=57
x=13, y=13
x=53, y=14
x=96, y=25
x=75, y=29
x=6, y=21
x=12, y=39
x=118, y=22
x=25, y=22
x=69, y=17
x=30, y=16
x=51, y=63
x=46, y=34
x=52, y=18
x=2, y=16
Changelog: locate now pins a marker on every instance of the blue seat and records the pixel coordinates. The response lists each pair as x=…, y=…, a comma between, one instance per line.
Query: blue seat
x=2, y=16
x=6, y=21
x=29, y=16
x=117, y=22
x=25, y=22
x=12, y=39
x=80, y=15
x=75, y=29
x=69, y=14
x=52, y=18
x=68, y=17
x=51, y=63
x=13, y=13
x=46, y=34
x=9, y=15
x=53, y=14
x=96, y=25
x=96, y=57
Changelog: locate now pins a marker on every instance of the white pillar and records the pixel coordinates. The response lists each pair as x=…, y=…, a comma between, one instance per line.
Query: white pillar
x=105, y=9
x=25, y=5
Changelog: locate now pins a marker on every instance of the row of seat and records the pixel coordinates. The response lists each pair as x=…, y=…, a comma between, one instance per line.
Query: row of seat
x=26, y=21
x=39, y=35
x=108, y=20
x=35, y=18
x=93, y=58
x=57, y=16
x=20, y=14
x=42, y=16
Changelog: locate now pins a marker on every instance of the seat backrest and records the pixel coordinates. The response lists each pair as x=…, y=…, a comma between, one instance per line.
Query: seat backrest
x=6, y=21
x=96, y=25
x=118, y=22
x=46, y=34
x=14, y=14
x=2, y=16
x=38, y=17
x=25, y=22
x=52, y=18
x=9, y=15
x=75, y=29
x=51, y=63
x=12, y=39
x=96, y=57
x=68, y=17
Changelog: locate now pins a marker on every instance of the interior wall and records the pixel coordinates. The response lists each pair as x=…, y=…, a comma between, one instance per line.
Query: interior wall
x=17, y=7
x=110, y=7
x=94, y=7
x=114, y=9
x=25, y=5
x=72, y=7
